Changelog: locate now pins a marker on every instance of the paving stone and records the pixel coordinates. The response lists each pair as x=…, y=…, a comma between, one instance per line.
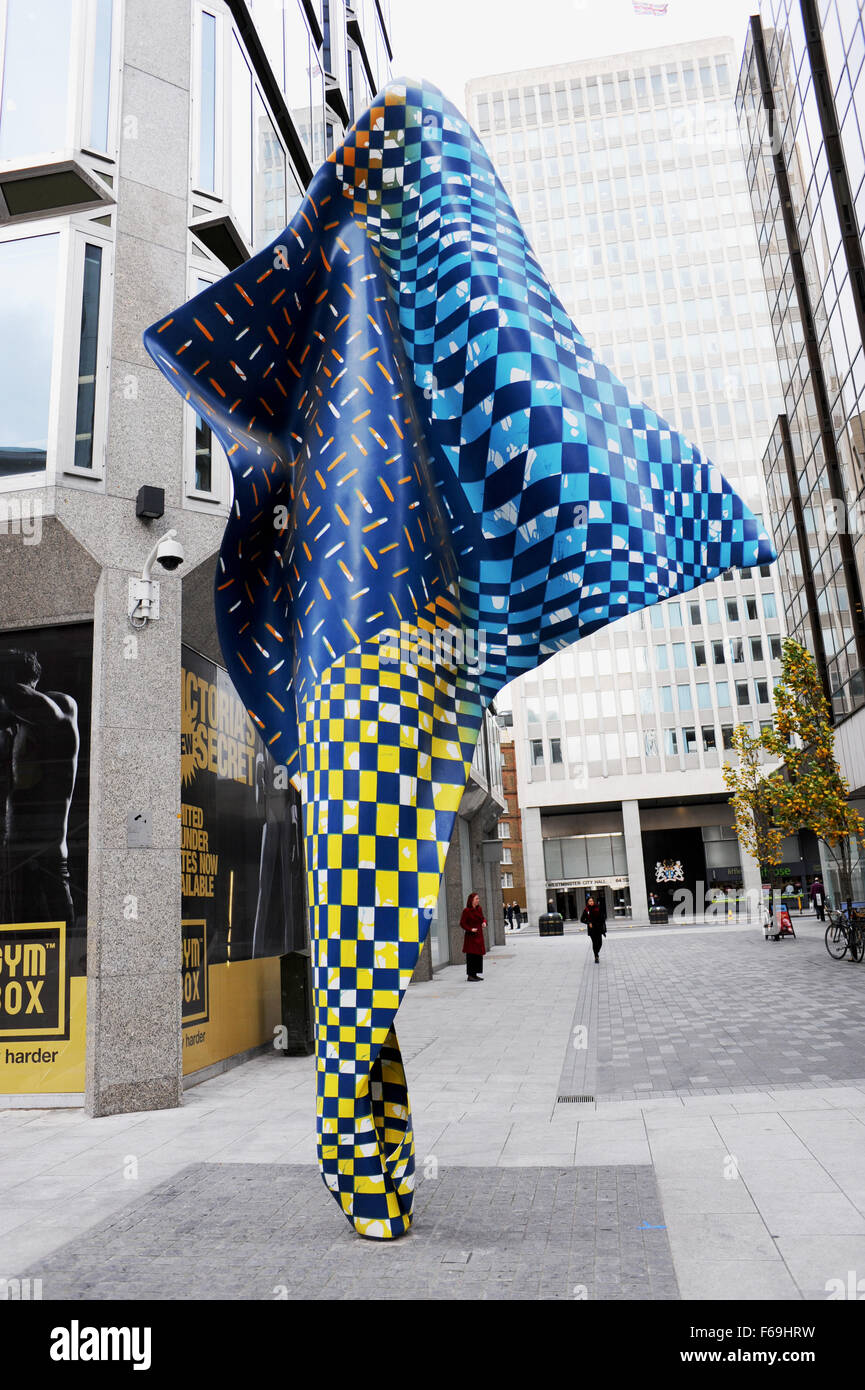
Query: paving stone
x=559, y=1228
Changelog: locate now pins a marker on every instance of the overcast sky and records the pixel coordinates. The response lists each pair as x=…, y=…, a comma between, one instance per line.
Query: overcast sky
x=451, y=41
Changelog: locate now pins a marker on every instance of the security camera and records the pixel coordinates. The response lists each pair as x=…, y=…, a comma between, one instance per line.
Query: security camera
x=169, y=552
x=144, y=592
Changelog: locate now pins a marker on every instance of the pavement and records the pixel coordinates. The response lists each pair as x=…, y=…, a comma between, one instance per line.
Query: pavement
x=684, y=1120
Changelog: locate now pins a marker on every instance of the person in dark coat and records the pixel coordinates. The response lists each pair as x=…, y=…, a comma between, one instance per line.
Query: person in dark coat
x=595, y=919
x=817, y=894
x=474, y=947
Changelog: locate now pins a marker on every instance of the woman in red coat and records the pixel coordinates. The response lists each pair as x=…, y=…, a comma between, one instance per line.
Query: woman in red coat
x=474, y=948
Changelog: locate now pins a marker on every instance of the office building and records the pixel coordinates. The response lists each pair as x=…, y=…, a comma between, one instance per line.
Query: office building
x=801, y=106
x=628, y=175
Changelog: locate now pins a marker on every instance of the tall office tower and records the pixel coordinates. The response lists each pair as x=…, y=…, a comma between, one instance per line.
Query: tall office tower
x=147, y=147
x=628, y=175
x=801, y=107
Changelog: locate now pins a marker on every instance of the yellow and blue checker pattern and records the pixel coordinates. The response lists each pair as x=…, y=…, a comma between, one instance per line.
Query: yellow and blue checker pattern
x=419, y=439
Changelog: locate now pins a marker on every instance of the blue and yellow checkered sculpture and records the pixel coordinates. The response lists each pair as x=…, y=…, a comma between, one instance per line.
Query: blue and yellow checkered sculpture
x=421, y=443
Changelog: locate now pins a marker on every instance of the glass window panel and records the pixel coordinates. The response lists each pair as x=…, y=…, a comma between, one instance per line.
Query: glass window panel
x=87, y=352
x=36, y=67
x=537, y=752
x=553, y=859
x=241, y=139
x=28, y=288
x=101, y=76
x=574, y=863
x=207, y=113
x=555, y=750
x=599, y=854
x=298, y=74
x=269, y=178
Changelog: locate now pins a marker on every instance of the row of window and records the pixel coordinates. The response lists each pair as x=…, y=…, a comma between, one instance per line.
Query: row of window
x=530, y=105
x=591, y=748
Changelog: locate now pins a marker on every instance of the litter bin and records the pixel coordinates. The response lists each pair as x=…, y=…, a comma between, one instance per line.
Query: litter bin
x=551, y=924
x=659, y=915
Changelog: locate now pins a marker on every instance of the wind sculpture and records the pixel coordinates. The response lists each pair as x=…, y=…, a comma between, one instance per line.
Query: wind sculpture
x=422, y=446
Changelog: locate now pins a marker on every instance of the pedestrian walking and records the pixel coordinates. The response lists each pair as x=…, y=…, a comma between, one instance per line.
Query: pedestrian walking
x=817, y=894
x=474, y=947
x=509, y=917
x=595, y=919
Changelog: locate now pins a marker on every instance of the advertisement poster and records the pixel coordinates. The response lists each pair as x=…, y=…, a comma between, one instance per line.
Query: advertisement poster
x=242, y=872
x=45, y=676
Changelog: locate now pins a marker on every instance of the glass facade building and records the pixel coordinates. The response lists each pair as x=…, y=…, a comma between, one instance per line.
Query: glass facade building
x=628, y=176
x=800, y=101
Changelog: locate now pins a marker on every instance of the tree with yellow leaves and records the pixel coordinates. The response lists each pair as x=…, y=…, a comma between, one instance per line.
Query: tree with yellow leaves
x=811, y=792
x=752, y=801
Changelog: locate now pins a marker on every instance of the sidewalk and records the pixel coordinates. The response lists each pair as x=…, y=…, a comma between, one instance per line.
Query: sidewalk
x=734, y=1169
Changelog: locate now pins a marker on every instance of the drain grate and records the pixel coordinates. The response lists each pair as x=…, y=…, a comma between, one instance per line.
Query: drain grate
x=575, y=1100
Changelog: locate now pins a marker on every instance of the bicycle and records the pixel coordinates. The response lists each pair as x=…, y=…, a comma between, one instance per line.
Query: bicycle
x=845, y=934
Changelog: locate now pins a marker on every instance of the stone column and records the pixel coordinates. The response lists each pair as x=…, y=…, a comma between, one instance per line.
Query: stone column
x=533, y=861
x=133, y=919
x=134, y=1055
x=636, y=866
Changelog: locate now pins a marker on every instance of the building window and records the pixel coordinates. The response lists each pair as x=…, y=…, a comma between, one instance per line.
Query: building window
x=537, y=752
x=712, y=615
x=28, y=295
x=507, y=855
x=666, y=696
x=762, y=692
x=87, y=357
x=719, y=656
x=650, y=743
x=504, y=830
x=775, y=648
x=690, y=740
x=756, y=649
x=751, y=608
x=657, y=616
x=674, y=609
x=732, y=610
x=680, y=656
x=770, y=608
x=661, y=663
x=241, y=139
x=36, y=70
x=270, y=175
x=555, y=750
x=722, y=690
x=742, y=694
x=684, y=692
x=507, y=880
x=709, y=743
x=101, y=89
x=737, y=650
x=671, y=742
x=694, y=614
x=207, y=105
x=727, y=736
x=704, y=695
x=699, y=650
